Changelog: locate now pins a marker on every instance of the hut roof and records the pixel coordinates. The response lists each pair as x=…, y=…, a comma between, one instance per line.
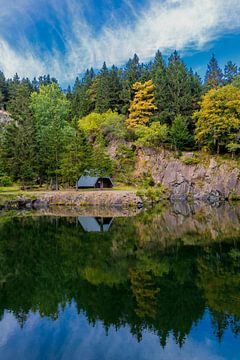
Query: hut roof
x=90, y=181
x=92, y=224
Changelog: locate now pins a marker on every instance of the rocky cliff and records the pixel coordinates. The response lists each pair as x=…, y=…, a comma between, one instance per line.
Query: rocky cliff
x=190, y=177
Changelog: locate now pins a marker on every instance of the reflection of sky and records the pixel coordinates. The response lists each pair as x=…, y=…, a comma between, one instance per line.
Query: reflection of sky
x=71, y=337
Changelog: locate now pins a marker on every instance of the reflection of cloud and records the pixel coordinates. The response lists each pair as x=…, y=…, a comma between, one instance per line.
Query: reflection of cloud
x=71, y=337
x=166, y=24
x=8, y=325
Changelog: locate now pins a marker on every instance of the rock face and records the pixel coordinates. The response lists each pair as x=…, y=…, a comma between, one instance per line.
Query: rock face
x=212, y=181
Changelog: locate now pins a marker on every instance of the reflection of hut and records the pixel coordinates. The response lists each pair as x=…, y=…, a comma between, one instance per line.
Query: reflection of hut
x=88, y=182
x=95, y=224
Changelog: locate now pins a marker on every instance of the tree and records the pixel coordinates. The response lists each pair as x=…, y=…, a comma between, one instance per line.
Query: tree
x=214, y=75
x=159, y=77
x=3, y=90
x=131, y=75
x=218, y=120
x=179, y=134
x=182, y=90
x=19, y=148
x=50, y=110
x=75, y=159
x=80, y=100
x=1, y=100
x=153, y=135
x=103, y=90
x=230, y=72
x=143, y=105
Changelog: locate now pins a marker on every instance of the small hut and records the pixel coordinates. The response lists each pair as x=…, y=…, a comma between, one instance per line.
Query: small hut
x=88, y=182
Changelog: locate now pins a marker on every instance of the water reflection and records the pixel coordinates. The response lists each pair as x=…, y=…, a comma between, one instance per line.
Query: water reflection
x=173, y=273
x=95, y=224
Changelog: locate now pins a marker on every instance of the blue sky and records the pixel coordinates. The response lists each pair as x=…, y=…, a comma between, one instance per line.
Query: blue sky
x=64, y=37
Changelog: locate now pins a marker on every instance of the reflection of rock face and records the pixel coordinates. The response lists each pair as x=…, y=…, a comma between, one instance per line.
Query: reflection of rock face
x=211, y=181
x=95, y=224
x=192, y=223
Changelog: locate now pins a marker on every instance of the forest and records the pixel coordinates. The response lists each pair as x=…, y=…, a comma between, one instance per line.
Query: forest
x=54, y=135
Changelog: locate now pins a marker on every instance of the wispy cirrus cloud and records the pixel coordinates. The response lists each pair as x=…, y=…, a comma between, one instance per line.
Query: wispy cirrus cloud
x=65, y=37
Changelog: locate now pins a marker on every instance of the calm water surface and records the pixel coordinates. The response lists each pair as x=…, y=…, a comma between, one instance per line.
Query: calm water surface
x=102, y=285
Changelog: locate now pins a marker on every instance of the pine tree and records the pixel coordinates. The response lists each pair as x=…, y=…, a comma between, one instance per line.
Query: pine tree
x=131, y=75
x=143, y=105
x=230, y=72
x=179, y=133
x=3, y=89
x=158, y=75
x=115, y=88
x=103, y=90
x=179, y=92
x=214, y=75
x=19, y=149
x=80, y=100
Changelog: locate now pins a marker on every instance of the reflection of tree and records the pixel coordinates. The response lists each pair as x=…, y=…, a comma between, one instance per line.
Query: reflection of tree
x=145, y=291
x=219, y=277
x=45, y=263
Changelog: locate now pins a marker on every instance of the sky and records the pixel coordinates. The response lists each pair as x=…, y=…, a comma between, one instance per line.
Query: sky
x=65, y=37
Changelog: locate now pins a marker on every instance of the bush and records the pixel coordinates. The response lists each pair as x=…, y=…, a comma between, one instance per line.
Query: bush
x=191, y=161
x=151, y=136
x=5, y=181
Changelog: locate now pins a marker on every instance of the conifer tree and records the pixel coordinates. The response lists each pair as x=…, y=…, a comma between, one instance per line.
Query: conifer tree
x=143, y=105
x=214, y=75
x=19, y=149
x=230, y=72
x=158, y=75
x=179, y=89
x=103, y=90
x=3, y=89
x=131, y=75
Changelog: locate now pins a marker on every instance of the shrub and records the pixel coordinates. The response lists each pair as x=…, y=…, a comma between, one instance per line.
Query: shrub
x=5, y=181
x=191, y=161
x=151, y=136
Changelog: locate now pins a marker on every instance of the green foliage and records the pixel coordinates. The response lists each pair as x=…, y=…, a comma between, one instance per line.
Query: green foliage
x=151, y=136
x=218, y=120
x=125, y=163
x=236, y=82
x=193, y=160
x=110, y=125
x=19, y=150
x=233, y=147
x=5, y=181
x=75, y=159
x=50, y=109
x=153, y=195
x=179, y=134
x=214, y=75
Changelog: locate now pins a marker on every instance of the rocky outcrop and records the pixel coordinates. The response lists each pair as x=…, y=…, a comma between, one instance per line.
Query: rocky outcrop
x=210, y=180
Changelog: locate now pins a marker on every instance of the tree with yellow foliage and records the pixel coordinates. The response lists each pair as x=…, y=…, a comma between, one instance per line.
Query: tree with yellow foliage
x=143, y=105
x=218, y=120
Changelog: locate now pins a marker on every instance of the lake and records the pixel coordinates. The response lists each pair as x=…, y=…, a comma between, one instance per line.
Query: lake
x=151, y=284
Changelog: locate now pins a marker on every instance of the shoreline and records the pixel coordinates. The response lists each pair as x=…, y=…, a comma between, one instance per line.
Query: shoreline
x=77, y=199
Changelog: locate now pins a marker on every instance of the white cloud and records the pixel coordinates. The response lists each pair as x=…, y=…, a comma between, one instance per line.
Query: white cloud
x=164, y=25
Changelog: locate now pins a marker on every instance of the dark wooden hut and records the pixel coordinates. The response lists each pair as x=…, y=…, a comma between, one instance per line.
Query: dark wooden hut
x=97, y=182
